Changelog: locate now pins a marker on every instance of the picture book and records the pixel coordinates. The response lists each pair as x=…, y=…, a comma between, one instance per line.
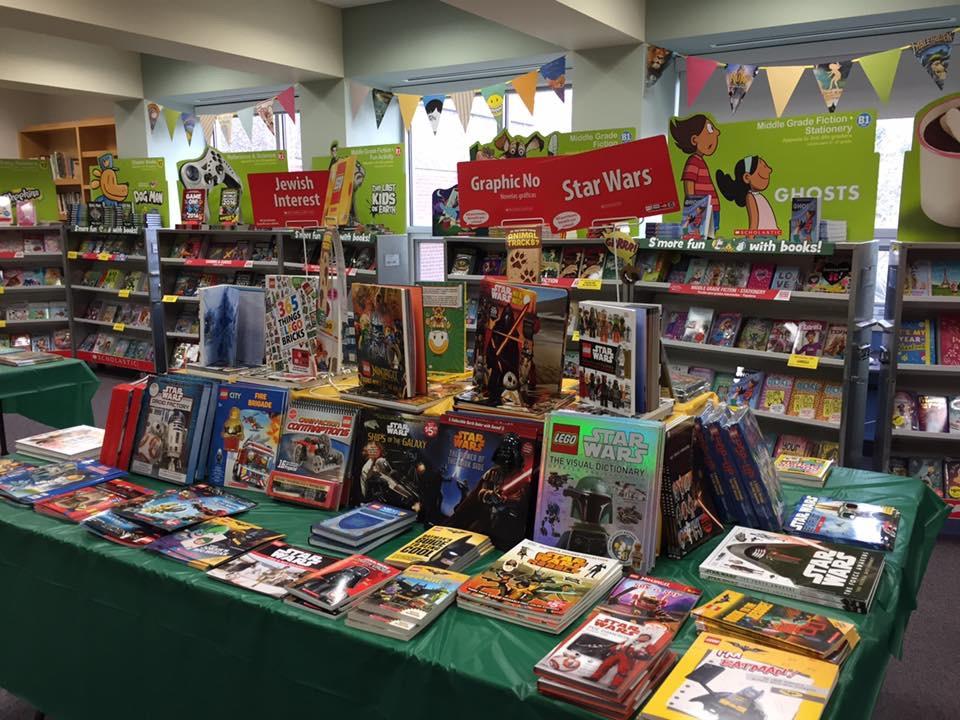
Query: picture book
x=391, y=357
x=948, y=339
x=492, y=264
x=725, y=329
x=917, y=342
x=441, y=547
x=951, y=479
x=954, y=414
x=232, y=325
x=550, y=263
x=444, y=320
x=336, y=586
x=932, y=413
x=678, y=267
x=696, y=272
x=929, y=471
x=755, y=334
x=315, y=443
x=775, y=397
x=30, y=485
x=829, y=275
x=845, y=521
x=918, y=280
x=570, y=260
x=675, y=324
x=716, y=272
x=746, y=388
x=293, y=339
x=270, y=569
x=504, y=347
x=212, y=542
x=945, y=278
x=783, y=336
x=652, y=266
x=80, y=504
x=650, y=599
x=175, y=509
x=721, y=385
x=73, y=443
x=599, y=484
x=698, y=324
x=786, y=277
x=111, y=526
x=793, y=445
x=415, y=595
x=835, y=344
x=805, y=219
x=245, y=436
x=718, y=672
x=463, y=262
x=810, y=337
x=830, y=407
x=696, y=219
x=805, y=398
x=592, y=264
x=905, y=412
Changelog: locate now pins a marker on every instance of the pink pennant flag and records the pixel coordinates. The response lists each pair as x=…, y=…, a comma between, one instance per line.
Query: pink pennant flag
x=699, y=71
x=287, y=101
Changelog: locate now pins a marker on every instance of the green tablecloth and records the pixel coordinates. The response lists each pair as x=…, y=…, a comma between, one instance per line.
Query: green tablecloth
x=56, y=393
x=94, y=630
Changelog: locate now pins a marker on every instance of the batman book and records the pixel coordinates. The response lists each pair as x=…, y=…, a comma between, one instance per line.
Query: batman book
x=416, y=594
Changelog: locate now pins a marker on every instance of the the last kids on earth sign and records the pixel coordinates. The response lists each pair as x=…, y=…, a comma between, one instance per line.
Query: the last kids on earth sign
x=752, y=170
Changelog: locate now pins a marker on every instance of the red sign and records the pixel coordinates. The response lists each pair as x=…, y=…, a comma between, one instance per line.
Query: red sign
x=734, y=292
x=203, y=262
x=569, y=192
x=288, y=199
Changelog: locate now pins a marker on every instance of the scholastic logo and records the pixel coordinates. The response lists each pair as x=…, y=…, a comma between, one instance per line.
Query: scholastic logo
x=566, y=439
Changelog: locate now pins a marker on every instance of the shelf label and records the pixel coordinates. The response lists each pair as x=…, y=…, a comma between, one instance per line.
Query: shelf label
x=119, y=327
x=576, y=336
x=72, y=254
x=125, y=293
x=104, y=256
x=734, y=292
x=1, y=289
x=589, y=283
x=169, y=298
x=808, y=362
x=3, y=323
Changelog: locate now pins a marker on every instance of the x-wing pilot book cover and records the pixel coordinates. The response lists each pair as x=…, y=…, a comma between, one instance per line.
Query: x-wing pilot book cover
x=844, y=521
x=599, y=484
x=271, y=569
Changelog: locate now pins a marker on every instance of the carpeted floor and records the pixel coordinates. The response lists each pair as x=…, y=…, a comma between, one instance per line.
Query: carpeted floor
x=919, y=686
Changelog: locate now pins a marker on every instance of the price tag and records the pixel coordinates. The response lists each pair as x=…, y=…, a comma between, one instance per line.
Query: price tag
x=576, y=336
x=169, y=298
x=125, y=293
x=119, y=327
x=808, y=362
x=590, y=283
x=104, y=256
x=3, y=323
x=73, y=254
x=1, y=289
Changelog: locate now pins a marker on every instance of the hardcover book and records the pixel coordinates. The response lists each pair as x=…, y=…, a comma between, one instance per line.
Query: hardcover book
x=336, y=587
x=845, y=521
x=945, y=278
x=592, y=264
x=919, y=278
x=725, y=328
x=441, y=547
x=948, y=339
x=905, y=413
x=829, y=275
x=232, y=325
x=504, y=346
x=463, y=262
x=293, y=337
x=444, y=320
x=755, y=334
x=916, y=342
x=550, y=263
x=570, y=260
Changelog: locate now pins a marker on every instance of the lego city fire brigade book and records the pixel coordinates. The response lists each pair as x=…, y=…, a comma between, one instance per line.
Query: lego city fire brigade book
x=212, y=542
x=314, y=453
x=28, y=486
x=755, y=619
x=110, y=526
x=442, y=547
x=246, y=434
x=649, y=599
x=417, y=595
x=175, y=509
x=845, y=521
x=723, y=677
x=270, y=569
x=600, y=487
x=80, y=504
x=337, y=587
x=839, y=576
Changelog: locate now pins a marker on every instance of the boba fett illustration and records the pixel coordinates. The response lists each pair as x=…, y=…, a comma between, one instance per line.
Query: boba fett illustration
x=591, y=509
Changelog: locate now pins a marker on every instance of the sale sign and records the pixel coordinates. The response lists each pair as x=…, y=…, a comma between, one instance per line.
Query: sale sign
x=288, y=198
x=630, y=180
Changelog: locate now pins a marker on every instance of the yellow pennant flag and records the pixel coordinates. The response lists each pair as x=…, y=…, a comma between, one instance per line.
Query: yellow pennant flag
x=408, y=106
x=880, y=69
x=172, y=117
x=783, y=81
x=526, y=87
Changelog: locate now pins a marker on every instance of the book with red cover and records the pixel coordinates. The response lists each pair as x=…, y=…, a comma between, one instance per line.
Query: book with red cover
x=121, y=424
x=337, y=586
x=130, y=430
x=948, y=339
x=760, y=276
x=932, y=412
x=80, y=504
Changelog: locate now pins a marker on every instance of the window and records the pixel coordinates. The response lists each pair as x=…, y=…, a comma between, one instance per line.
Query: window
x=894, y=138
x=432, y=159
x=287, y=137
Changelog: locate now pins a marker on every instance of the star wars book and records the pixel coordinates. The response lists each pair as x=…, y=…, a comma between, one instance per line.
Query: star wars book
x=30, y=485
x=845, y=521
x=599, y=487
x=246, y=434
x=337, y=587
x=231, y=325
x=368, y=520
x=443, y=547
x=819, y=572
x=504, y=350
x=175, y=509
x=444, y=320
x=648, y=599
x=270, y=569
x=212, y=542
x=78, y=505
x=110, y=526
x=719, y=677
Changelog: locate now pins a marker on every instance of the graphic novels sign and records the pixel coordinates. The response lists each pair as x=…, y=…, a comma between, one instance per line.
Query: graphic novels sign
x=32, y=180
x=288, y=199
x=140, y=181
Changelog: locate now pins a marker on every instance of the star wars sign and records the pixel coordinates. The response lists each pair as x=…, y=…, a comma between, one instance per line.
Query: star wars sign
x=570, y=192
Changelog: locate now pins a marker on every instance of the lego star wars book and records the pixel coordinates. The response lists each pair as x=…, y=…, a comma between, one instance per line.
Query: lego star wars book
x=30, y=485
x=110, y=526
x=648, y=599
x=599, y=487
x=719, y=677
x=443, y=547
x=368, y=520
x=819, y=572
x=444, y=320
x=270, y=569
x=337, y=587
x=246, y=434
x=81, y=504
x=175, y=509
x=845, y=521
x=231, y=325
x=212, y=542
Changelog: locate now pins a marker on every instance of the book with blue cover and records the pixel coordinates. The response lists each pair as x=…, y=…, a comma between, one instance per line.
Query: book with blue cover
x=366, y=521
x=232, y=330
x=28, y=486
x=213, y=542
x=917, y=342
x=176, y=509
x=845, y=521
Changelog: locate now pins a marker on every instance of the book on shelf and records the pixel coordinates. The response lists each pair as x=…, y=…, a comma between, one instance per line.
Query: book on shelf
x=775, y=396
x=905, y=411
x=805, y=398
x=917, y=342
x=810, y=336
x=755, y=334
x=697, y=325
x=932, y=414
x=948, y=339
x=786, y=277
x=726, y=326
x=783, y=336
x=835, y=343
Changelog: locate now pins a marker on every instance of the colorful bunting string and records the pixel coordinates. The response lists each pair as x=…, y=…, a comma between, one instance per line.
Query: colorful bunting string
x=463, y=102
x=381, y=101
x=226, y=126
x=433, y=105
x=526, y=87
x=288, y=101
x=408, y=106
x=880, y=69
x=245, y=116
x=783, y=81
x=699, y=71
x=555, y=73
x=494, y=95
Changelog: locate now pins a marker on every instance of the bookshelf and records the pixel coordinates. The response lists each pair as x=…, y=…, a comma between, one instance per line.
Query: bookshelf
x=81, y=142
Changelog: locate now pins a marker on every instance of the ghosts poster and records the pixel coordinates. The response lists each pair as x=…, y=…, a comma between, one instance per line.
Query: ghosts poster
x=752, y=170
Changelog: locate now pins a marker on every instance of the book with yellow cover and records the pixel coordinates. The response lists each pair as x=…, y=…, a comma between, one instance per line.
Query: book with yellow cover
x=443, y=547
x=720, y=677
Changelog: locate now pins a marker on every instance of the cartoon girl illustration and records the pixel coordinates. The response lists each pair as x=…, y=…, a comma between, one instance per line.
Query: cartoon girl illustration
x=697, y=136
x=745, y=187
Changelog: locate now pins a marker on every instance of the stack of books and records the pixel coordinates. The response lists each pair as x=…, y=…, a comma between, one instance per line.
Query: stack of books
x=28, y=484
x=755, y=620
x=800, y=470
x=81, y=442
x=845, y=521
x=22, y=358
x=361, y=529
x=539, y=586
x=86, y=502
x=833, y=230
x=408, y=603
x=270, y=569
x=336, y=588
x=823, y=573
x=212, y=542
x=442, y=547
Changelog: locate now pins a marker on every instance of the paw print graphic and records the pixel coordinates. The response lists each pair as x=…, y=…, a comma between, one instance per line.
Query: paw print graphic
x=527, y=275
x=517, y=259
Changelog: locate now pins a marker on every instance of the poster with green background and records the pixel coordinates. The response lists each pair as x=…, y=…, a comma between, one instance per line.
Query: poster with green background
x=830, y=155
x=505, y=145
x=141, y=181
x=30, y=180
x=243, y=164
x=380, y=192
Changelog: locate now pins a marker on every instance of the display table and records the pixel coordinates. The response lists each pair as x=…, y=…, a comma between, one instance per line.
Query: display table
x=95, y=630
x=56, y=393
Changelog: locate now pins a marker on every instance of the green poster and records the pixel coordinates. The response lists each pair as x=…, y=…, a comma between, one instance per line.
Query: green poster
x=141, y=181
x=380, y=187
x=929, y=198
x=222, y=170
x=26, y=180
x=445, y=326
x=505, y=145
x=764, y=164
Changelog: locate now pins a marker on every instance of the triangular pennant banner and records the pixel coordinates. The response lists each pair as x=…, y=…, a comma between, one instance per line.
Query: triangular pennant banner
x=555, y=73
x=494, y=95
x=189, y=123
x=381, y=101
x=832, y=79
x=526, y=87
x=226, y=126
x=172, y=117
x=153, y=114
x=463, y=102
x=739, y=81
x=408, y=106
x=658, y=59
x=880, y=69
x=783, y=81
x=699, y=71
x=265, y=111
x=288, y=102
x=933, y=53
x=207, y=122
x=433, y=104
x=358, y=93
x=245, y=116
